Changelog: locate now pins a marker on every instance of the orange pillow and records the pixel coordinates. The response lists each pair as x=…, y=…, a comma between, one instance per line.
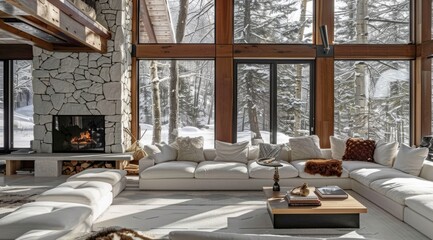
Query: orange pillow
x=358, y=149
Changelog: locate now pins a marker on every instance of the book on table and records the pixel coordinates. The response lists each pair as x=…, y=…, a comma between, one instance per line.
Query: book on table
x=331, y=192
x=296, y=200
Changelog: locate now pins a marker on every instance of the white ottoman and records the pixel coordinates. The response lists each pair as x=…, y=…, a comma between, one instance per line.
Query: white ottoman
x=115, y=177
x=46, y=216
x=96, y=195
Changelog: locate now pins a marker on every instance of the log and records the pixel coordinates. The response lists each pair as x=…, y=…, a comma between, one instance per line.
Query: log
x=74, y=162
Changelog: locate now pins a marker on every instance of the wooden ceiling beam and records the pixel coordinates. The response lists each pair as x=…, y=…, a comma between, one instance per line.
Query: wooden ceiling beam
x=20, y=34
x=56, y=18
x=75, y=13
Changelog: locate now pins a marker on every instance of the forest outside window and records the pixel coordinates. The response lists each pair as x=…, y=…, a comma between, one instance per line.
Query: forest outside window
x=16, y=81
x=267, y=21
x=273, y=100
x=176, y=98
x=177, y=21
x=372, y=21
x=372, y=100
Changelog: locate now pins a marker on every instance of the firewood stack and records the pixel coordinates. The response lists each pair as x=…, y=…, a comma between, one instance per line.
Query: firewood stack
x=73, y=167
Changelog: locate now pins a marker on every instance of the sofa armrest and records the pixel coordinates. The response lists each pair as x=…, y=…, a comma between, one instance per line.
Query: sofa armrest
x=145, y=162
x=427, y=170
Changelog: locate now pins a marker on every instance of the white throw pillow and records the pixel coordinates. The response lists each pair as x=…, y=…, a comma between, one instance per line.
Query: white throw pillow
x=385, y=153
x=410, y=160
x=190, y=149
x=305, y=147
x=338, y=147
x=161, y=152
x=231, y=152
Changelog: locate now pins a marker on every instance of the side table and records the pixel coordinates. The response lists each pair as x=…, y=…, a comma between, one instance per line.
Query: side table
x=271, y=162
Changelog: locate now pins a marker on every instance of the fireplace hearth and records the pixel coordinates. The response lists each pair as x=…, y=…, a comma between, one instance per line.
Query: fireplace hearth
x=78, y=133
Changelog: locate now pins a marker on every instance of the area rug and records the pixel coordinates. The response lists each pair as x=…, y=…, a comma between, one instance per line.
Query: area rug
x=114, y=233
x=16, y=200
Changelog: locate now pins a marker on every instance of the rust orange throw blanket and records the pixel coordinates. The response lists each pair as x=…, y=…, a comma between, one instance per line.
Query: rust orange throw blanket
x=324, y=167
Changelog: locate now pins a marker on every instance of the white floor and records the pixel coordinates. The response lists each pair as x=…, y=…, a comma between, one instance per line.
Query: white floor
x=156, y=213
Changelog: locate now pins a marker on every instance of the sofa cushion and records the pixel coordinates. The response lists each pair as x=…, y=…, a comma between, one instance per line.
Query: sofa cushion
x=300, y=166
x=110, y=176
x=231, y=152
x=161, y=152
x=410, y=160
x=190, y=149
x=338, y=147
x=44, y=216
x=258, y=171
x=422, y=204
x=385, y=153
x=224, y=170
x=168, y=170
x=358, y=149
x=355, y=165
x=84, y=192
x=398, y=189
x=305, y=148
x=115, y=177
x=366, y=176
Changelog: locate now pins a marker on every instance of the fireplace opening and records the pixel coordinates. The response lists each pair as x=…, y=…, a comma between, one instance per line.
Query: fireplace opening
x=82, y=133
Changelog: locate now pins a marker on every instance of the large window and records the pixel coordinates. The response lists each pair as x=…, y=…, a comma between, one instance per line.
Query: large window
x=22, y=104
x=177, y=21
x=372, y=100
x=16, y=107
x=273, y=100
x=267, y=21
x=176, y=99
x=372, y=21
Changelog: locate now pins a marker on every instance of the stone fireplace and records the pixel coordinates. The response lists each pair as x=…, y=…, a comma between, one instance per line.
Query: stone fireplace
x=91, y=84
x=83, y=134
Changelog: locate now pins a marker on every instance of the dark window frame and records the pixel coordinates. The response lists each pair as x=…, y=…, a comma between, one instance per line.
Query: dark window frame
x=273, y=93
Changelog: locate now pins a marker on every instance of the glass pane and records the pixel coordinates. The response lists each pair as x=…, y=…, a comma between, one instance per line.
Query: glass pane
x=253, y=106
x=23, y=104
x=194, y=97
x=194, y=22
x=265, y=21
x=293, y=101
x=372, y=21
x=372, y=100
x=2, y=104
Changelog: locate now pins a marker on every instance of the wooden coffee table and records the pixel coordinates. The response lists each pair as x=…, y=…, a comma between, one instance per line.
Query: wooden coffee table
x=334, y=213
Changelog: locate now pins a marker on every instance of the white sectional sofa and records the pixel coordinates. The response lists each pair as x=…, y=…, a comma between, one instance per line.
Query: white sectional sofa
x=407, y=197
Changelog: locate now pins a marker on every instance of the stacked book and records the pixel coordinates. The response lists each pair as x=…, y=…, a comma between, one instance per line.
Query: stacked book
x=331, y=192
x=296, y=200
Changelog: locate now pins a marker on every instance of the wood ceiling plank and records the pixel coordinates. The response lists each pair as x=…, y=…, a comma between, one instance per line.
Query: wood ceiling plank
x=53, y=16
x=20, y=34
x=75, y=13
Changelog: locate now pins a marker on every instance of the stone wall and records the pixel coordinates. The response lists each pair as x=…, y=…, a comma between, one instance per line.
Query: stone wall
x=67, y=83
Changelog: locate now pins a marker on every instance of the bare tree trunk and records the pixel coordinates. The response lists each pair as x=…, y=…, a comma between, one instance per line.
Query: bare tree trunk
x=360, y=68
x=174, y=83
x=298, y=76
x=252, y=108
x=156, y=138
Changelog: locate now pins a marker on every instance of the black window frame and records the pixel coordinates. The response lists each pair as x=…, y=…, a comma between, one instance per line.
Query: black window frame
x=273, y=93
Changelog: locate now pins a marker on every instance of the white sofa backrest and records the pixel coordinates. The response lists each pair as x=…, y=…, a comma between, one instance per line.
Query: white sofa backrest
x=253, y=153
x=427, y=170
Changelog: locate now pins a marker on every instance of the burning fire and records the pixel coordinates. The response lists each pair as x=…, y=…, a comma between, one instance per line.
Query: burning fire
x=84, y=138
